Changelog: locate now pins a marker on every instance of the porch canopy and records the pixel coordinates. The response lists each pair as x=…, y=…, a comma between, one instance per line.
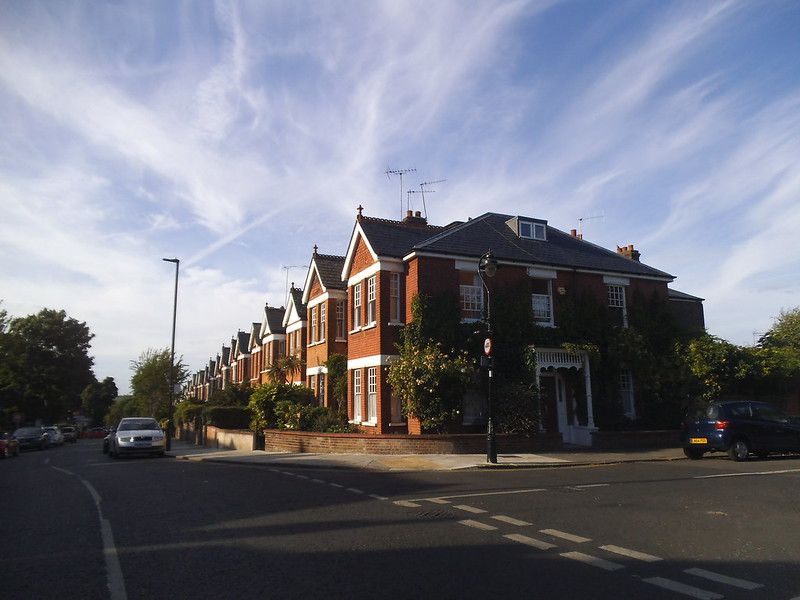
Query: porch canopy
x=558, y=358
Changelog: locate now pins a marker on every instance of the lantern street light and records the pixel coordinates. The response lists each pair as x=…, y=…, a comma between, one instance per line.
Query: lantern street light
x=487, y=267
x=172, y=356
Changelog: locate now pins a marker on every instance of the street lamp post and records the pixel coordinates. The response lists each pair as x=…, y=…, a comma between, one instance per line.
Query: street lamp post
x=487, y=267
x=172, y=354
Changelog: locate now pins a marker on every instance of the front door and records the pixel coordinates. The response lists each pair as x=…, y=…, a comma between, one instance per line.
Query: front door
x=549, y=402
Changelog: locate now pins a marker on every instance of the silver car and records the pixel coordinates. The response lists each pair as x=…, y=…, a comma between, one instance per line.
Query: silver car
x=137, y=435
x=55, y=435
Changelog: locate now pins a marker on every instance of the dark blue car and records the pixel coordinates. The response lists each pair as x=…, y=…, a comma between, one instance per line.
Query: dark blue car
x=740, y=428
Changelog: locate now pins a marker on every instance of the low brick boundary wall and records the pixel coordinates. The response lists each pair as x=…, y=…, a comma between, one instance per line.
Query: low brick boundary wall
x=232, y=439
x=280, y=440
x=635, y=440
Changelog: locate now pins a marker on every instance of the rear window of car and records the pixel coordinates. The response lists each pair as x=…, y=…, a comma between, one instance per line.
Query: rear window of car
x=27, y=431
x=712, y=411
x=137, y=425
x=765, y=411
x=739, y=409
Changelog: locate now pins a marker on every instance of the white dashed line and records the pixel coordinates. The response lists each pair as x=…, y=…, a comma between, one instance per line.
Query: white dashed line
x=478, y=525
x=62, y=470
x=565, y=536
x=510, y=520
x=590, y=485
x=781, y=472
x=682, y=588
x=503, y=493
x=377, y=497
x=406, y=503
x=274, y=470
x=301, y=476
x=635, y=554
x=469, y=509
x=317, y=481
x=438, y=500
x=336, y=485
x=594, y=561
x=733, y=581
x=355, y=490
x=529, y=541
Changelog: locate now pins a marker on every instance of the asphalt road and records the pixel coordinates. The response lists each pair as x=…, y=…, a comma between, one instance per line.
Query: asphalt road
x=76, y=524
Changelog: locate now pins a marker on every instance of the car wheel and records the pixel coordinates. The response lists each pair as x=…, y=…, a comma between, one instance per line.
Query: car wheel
x=739, y=450
x=693, y=453
x=6, y=453
x=762, y=455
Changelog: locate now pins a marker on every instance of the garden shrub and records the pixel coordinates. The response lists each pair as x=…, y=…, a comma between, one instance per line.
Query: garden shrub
x=228, y=417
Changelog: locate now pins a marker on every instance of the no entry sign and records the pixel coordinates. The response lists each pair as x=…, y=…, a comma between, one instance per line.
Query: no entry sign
x=487, y=346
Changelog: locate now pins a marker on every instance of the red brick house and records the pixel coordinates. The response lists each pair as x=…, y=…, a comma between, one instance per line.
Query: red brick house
x=273, y=341
x=294, y=322
x=389, y=262
x=325, y=297
x=240, y=359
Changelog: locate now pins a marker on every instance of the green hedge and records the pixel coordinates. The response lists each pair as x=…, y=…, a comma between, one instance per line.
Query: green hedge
x=228, y=417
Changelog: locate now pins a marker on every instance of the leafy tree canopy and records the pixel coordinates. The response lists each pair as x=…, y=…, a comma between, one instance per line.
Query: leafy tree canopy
x=151, y=378
x=97, y=398
x=785, y=332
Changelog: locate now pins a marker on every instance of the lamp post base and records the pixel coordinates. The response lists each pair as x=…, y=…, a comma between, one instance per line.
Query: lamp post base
x=491, y=445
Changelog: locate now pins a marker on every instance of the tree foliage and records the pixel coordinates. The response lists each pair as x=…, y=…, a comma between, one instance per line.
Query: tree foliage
x=337, y=381
x=44, y=364
x=150, y=381
x=97, y=398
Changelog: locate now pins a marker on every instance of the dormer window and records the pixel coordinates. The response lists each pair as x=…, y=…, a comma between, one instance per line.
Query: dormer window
x=533, y=231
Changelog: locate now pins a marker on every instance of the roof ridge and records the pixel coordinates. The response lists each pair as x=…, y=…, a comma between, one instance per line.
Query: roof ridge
x=401, y=223
x=449, y=230
x=337, y=257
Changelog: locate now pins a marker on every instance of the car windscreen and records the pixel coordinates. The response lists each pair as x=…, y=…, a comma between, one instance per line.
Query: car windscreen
x=28, y=431
x=138, y=425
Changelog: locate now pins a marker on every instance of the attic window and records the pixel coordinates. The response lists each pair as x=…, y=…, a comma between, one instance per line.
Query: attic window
x=533, y=231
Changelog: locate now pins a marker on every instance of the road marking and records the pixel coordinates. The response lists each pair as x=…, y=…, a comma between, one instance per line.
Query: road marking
x=781, y=472
x=590, y=485
x=289, y=473
x=710, y=575
x=631, y=553
x=114, y=577
x=478, y=525
x=301, y=476
x=682, y=588
x=274, y=470
x=407, y=503
x=336, y=485
x=355, y=490
x=504, y=493
x=594, y=561
x=529, y=541
x=469, y=509
x=317, y=481
x=377, y=497
x=565, y=536
x=62, y=470
x=510, y=520
x=47, y=461
x=438, y=500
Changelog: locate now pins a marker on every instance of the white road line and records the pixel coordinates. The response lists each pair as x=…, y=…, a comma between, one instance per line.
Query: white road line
x=682, y=588
x=438, y=500
x=529, y=541
x=336, y=485
x=710, y=575
x=407, y=503
x=62, y=470
x=469, y=509
x=510, y=520
x=590, y=485
x=504, y=493
x=301, y=476
x=355, y=490
x=635, y=554
x=478, y=525
x=565, y=536
x=594, y=561
x=781, y=472
x=317, y=481
x=377, y=497
x=47, y=461
x=114, y=577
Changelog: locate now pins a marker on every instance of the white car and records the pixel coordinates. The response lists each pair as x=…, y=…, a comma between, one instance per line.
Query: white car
x=137, y=435
x=55, y=435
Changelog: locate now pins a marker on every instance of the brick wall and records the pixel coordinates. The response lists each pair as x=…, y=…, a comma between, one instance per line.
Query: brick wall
x=232, y=439
x=349, y=443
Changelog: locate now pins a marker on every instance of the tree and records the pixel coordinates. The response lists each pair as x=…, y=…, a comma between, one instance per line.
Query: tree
x=337, y=381
x=785, y=332
x=150, y=381
x=97, y=398
x=44, y=364
x=124, y=406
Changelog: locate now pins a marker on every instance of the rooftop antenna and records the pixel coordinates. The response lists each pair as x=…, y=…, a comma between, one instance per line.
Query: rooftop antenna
x=288, y=268
x=422, y=191
x=400, y=172
x=592, y=218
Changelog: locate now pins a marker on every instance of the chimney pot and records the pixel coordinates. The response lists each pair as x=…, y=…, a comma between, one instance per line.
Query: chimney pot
x=418, y=214
x=409, y=213
x=573, y=232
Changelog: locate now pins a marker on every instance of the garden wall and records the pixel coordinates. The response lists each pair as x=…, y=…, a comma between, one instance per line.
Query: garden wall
x=280, y=440
x=231, y=439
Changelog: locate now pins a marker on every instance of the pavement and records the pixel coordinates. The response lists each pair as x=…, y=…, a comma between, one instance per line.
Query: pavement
x=567, y=457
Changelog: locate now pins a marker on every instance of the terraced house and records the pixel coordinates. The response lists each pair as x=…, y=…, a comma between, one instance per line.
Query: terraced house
x=294, y=322
x=273, y=341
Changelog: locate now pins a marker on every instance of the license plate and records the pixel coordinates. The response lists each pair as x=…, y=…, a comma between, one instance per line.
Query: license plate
x=698, y=440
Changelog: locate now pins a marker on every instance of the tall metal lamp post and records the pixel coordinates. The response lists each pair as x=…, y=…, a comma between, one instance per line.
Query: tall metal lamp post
x=170, y=408
x=487, y=267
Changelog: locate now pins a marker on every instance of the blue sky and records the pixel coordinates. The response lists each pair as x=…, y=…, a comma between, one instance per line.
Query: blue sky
x=236, y=136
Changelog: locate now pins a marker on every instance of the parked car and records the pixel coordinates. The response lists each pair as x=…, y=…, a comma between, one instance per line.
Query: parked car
x=56, y=437
x=97, y=433
x=740, y=428
x=70, y=433
x=9, y=446
x=137, y=435
x=32, y=437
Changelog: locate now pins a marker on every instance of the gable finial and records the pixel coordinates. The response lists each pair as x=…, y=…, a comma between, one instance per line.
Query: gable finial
x=315, y=249
x=360, y=208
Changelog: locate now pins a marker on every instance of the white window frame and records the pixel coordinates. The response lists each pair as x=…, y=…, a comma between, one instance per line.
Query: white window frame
x=394, y=298
x=322, y=322
x=314, y=331
x=547, y=321
x=372, y=308
x=372, y=395
x=341, y=320
x=357, y=395
x=626, y=393
x=616, y=299
x=535, y=231
x=357, y=305
x=471, y=301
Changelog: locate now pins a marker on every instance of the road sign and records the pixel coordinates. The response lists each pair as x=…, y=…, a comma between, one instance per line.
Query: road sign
x=487, y=346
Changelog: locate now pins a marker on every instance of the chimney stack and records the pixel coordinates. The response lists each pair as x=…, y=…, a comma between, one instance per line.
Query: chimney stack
x=574, y=233
x=629, y=252
x=415, y=219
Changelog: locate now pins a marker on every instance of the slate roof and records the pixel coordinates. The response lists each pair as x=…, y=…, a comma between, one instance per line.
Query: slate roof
x=676, y=295
x=489, y=231
x=275, y=319
x=330, y=268
x=394, y=238
x=297, y=298
x=226, y=355
x=242, y=340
